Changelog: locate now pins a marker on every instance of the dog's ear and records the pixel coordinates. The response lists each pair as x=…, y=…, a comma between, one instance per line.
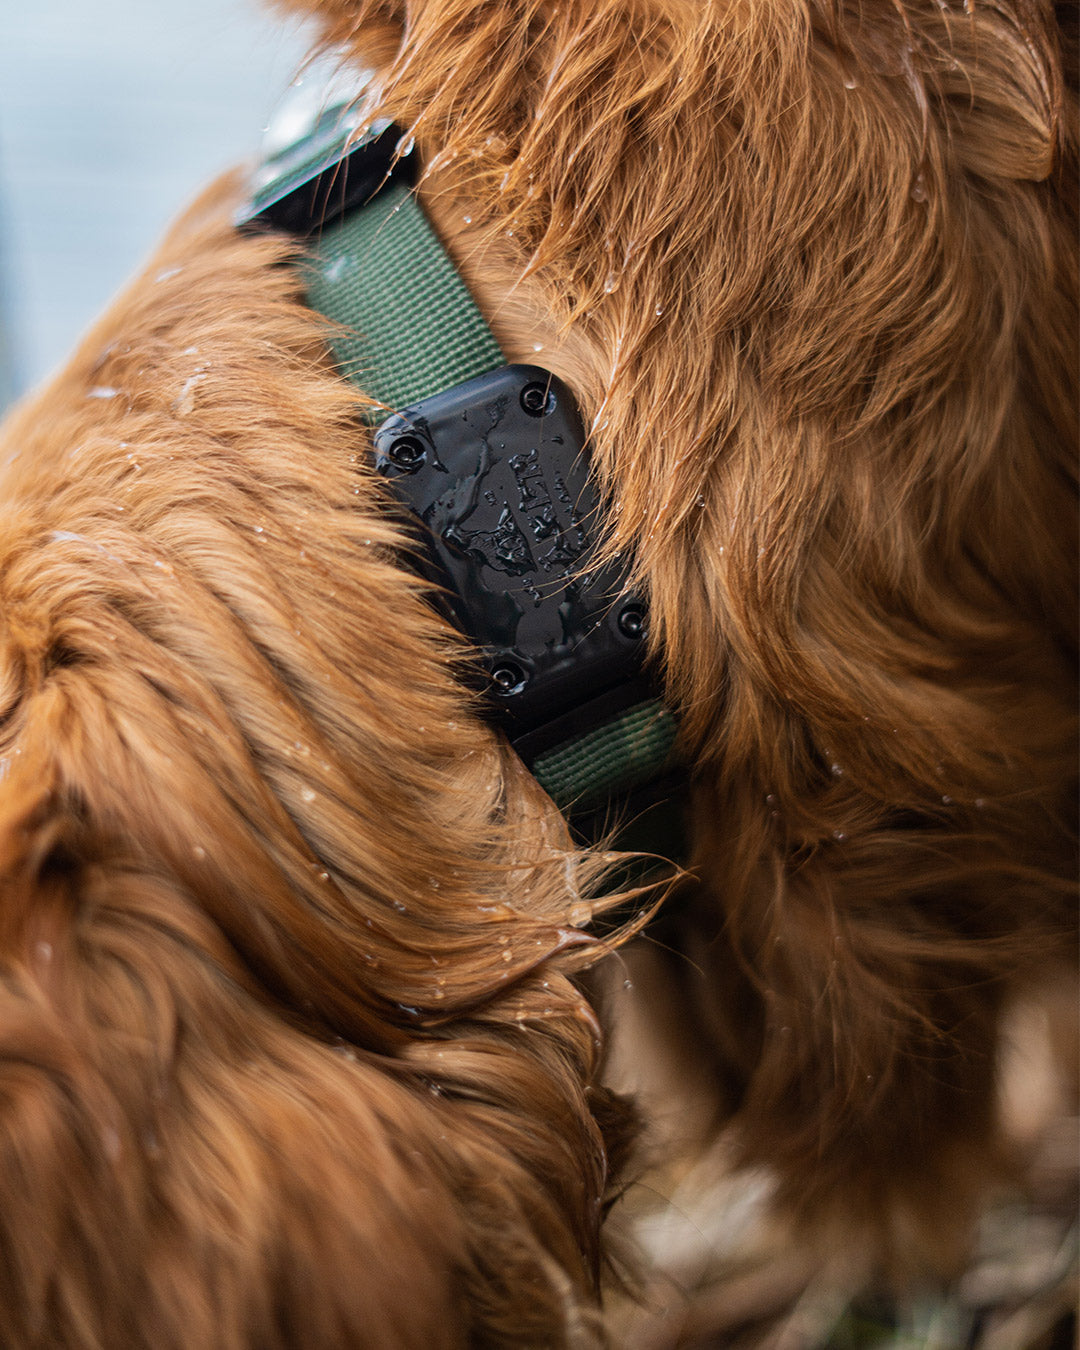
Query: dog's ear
x=180, y=1167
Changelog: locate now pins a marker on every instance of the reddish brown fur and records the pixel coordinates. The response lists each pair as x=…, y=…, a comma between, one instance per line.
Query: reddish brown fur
x=811, y=274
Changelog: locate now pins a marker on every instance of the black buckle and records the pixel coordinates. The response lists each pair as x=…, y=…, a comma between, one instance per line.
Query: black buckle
x=496, y=471
x=323, y=177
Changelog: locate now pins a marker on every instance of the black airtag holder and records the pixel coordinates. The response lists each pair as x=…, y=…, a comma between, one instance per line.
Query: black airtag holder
x=494, y=475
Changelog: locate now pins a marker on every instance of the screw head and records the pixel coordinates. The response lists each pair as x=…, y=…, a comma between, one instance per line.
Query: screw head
x=407, y=453
x=508, y=678
x=538, y=400
x=632, y=621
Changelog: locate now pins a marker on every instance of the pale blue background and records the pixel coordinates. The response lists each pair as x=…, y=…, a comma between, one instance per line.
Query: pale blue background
x=113, y=113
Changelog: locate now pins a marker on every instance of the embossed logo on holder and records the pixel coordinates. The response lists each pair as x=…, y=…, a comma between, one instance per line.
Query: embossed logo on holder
x=496, y=471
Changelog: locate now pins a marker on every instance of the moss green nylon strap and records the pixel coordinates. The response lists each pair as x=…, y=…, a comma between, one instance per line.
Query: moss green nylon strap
x=631, y=749
x=408, y=328
x=414, y=329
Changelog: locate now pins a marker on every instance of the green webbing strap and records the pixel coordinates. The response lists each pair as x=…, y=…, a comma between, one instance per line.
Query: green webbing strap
x=632, y=748
x=408, y=328
x=414, y=329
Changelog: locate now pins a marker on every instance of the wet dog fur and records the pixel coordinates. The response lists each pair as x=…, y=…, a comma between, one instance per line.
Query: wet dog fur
x=293, y=1043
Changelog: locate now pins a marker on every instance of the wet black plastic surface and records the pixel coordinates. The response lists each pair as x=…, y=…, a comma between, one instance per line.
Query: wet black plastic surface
x=323, y=177
x=496, y=471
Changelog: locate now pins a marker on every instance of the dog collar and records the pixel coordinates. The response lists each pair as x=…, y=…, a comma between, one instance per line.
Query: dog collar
x=488, y=462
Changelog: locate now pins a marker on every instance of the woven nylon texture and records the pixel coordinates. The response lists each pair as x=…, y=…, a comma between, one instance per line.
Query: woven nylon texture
x=415, y=329
x=621, y=754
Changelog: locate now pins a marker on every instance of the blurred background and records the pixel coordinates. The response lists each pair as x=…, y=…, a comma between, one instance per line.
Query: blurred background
x=113, y=113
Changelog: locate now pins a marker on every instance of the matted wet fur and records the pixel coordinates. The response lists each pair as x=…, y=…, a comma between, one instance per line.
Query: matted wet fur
x=290, y=1049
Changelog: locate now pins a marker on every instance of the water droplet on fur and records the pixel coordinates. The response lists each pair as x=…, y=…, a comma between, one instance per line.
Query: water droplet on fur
x=918, y=189
x=102, y=391
x=400, y=906
x=433, y=882
x=508, y=955
x=839, y=836
x=185, y=400
x=611, y=282
x=324, y=876
x=980, y=802
x=166, y=273
x=538, y=346
x=467, y=219
x=836, y=770
x=405, y=146
x=658, y=311
x=770, y=797
x=700, y=502
x=946, y=800
x=199, y=852
x=581, y=915
x=628, y=984
x=307, y=794
x=438, y=993
x=44, y=951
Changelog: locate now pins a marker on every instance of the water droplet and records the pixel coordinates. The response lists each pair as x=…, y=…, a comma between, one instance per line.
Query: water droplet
x=433, y=883
x=166, y=273
x=199, y=852
x=700, y=502
x=836, y=770
x=102, y=391
x=323, y=876
x=839, y=836
x=770, y=797
x=611, y=282
x=307, y=794
x=438, y=993
x=399, y=905
x=538, y=346
x=581, y=914
x=980, y=802
x=44, y=951
x=184, y=402
x=467, y=219
x=946, y=800
x=918, y=189
x=405, y=146
x=508, y=955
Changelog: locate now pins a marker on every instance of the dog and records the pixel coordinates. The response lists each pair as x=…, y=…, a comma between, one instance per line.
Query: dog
x=297, y=1041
